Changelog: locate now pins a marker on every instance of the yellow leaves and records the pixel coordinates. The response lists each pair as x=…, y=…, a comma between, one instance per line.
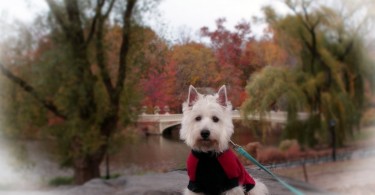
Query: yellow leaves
x=312, y=83
x=335, y=67
x=195, y=64
x=327, y=75
x=268, y=86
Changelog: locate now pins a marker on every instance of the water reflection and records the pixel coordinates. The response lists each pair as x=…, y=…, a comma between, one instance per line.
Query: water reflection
x=144, y=154
x=151, y=153
x=164, y=153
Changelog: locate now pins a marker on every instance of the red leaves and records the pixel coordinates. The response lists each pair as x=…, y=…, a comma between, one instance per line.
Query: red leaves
x=228, y=45
x=231, y=57
x=228, y=50
x=158, y=88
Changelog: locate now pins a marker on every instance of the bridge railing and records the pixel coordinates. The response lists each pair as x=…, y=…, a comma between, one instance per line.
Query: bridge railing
x=279, y=116
x=159, y=117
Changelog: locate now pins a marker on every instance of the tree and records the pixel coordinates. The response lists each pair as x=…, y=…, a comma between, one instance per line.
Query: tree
x=194, y=64
x=158, y=79
x=325, y=76
x=85, y=97
x=263, y=52
x=236, y=56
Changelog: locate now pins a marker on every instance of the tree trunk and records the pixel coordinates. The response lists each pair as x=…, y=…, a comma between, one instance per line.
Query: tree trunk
x=86, y=168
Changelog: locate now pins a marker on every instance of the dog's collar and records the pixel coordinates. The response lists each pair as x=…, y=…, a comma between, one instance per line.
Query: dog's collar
x=209, y=154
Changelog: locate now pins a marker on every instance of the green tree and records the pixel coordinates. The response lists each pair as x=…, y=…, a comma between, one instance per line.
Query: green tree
x=70, y=77
x=325, y=74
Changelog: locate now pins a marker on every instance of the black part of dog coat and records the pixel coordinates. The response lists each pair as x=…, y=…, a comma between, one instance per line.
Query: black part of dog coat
x=212, y=173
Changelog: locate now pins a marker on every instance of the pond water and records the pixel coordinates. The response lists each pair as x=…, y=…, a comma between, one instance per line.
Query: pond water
x=141, y=155
x=160, y=153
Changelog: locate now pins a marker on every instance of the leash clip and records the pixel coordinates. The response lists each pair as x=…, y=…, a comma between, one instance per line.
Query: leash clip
x=235, y=146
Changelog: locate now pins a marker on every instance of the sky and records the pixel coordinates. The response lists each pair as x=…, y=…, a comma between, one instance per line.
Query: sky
x=24, y=10
x=176, y=18
x=173, y=18
x=187, y=17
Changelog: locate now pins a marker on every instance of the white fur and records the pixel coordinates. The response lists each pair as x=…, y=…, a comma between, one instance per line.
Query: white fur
x=259, y=189
x=234, y=191
x=207, y=107
x=188, y=192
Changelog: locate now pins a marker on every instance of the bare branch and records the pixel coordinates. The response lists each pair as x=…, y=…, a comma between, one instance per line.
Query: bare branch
x=98, y=16
x=92, y=30
x=109, y=9
x=100, y=58
x=58, y=15
x=348, y=48
x=75, y=24
x=29, y=89
x=98, y=10
x=124, y=48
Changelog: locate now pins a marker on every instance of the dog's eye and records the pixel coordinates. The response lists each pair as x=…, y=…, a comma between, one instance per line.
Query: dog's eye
x=215, y=119
x=198, y=118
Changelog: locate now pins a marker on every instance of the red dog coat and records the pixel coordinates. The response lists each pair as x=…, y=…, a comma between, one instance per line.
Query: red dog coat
x=213, y=173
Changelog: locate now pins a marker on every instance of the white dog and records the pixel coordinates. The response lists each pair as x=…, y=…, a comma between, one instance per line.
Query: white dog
x=213, y=168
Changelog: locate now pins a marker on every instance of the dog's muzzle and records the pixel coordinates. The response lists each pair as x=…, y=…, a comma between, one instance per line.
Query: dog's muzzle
x=205, y=134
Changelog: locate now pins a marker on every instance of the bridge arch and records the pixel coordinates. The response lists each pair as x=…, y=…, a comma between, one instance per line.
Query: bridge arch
x=167, y=129
x=168, y=122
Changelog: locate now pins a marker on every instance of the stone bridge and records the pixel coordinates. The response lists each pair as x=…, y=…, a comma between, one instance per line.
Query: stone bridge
x=164, y=123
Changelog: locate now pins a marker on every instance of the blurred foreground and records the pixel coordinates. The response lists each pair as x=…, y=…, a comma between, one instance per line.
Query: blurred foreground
x=354, y=176
x=344, y=177
x=157, y=184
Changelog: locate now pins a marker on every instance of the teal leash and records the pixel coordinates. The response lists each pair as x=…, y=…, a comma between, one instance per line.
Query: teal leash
x=241, y=151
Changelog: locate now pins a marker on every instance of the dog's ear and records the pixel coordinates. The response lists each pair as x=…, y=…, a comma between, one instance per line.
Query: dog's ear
x=222, y=96
x=193, y=95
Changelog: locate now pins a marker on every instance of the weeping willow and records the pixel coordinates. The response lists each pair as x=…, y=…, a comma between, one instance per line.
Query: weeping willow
x=325, y=76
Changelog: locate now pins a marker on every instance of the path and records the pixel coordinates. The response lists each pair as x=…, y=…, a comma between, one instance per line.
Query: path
x=170, y=183
x=351, y=177
x=356, y=176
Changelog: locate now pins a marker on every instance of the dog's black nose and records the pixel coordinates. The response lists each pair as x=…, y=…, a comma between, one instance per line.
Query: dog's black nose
x=205, y=133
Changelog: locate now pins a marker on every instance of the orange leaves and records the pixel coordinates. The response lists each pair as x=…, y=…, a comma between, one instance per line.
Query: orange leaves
x=165, y=72
x=230, y=58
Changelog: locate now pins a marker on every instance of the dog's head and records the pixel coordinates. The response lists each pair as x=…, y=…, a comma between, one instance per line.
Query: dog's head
x=207, y=121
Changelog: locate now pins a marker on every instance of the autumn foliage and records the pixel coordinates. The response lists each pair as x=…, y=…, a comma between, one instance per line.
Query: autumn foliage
x=82, y=72
x=229, y=58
